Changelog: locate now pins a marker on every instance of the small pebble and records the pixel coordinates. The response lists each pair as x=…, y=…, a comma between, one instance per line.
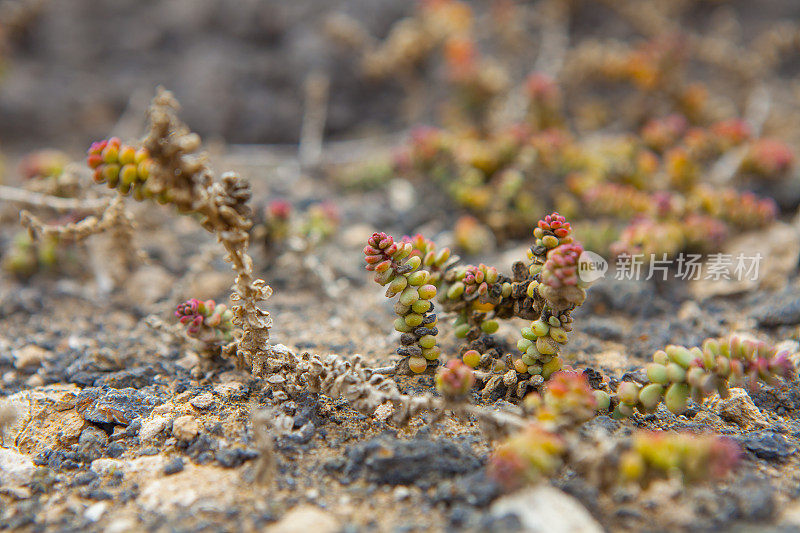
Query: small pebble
x=202, y=401
x=173, y=466
x=185, y=428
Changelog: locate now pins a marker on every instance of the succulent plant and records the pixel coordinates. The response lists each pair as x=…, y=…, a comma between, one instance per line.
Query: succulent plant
x=621, y=201
x=731, y=132
x=320, y=222
x=401, y=272
x=281, y=222
x=559, y=276
x=678, y=373
x=653, y=238
x=660, y=134
x=455, y=379
x=769, y=158
x=544, y=290
x=742, y=210
x=695, y=457
x=567, y=400
x=43, y=164
x=471, y=236
x=435, y=261
x=121, y=166
x=683, y=171
x=207, y=320
x=527, y=456
x=544, y=101
x=26, y=256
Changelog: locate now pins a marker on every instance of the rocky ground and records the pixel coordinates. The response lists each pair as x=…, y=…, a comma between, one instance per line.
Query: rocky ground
x=120, y=428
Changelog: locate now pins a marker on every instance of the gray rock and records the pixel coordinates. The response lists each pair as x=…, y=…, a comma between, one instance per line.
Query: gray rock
x=202, y=401
x=110, y=407
x=602, y=328
x=233, y=457
x=754, y=499
x=137, y=377
x=767, y=445
x=92, y=442
x=173, y=466
x=475, y=489
x=784, y=312
x=392, y=461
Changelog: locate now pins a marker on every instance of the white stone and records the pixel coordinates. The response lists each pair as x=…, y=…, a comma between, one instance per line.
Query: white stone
x=401, y=493
x=121, y=525
x=226, y=390
x=202, y=401
x=305, y=518
x=107, y=466
x=152, y=427
x=543, y=509
x=15, y=468
x=30, y=356
x=95, y=512
x=185, y=427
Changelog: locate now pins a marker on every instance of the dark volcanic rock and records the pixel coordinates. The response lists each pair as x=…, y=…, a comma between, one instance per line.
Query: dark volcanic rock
x=594, y=377
x=137, y=377
x=784, y=312
x=767, y=445
x=636, y=298
x=173, y=466
x=783, y=401
x=602, y=328
x=233, y=457
x=389, y=461
x=110, y=407
x=754, y=499
x=474, y=489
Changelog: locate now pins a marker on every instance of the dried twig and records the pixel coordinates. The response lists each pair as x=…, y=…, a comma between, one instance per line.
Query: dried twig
x=182, y=174
x=366, y=390
x=264, y=427
x=113, y=215
x=555, y=38
x=309, y=149
x=35, y=199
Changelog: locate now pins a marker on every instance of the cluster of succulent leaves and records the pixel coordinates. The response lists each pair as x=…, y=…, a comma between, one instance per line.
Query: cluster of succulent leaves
x=653, y=188
x=281, y=221
x=678, y=374
x=43, y=164
x=545, y=289
x=655, y=201
x=399, y=267
x=549, y=440
x=206, y=320
x=122, y=167
x=43, y=171
x=25, y=256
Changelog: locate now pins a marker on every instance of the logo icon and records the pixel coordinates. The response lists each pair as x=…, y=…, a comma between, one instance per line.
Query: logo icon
x=591, y=267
